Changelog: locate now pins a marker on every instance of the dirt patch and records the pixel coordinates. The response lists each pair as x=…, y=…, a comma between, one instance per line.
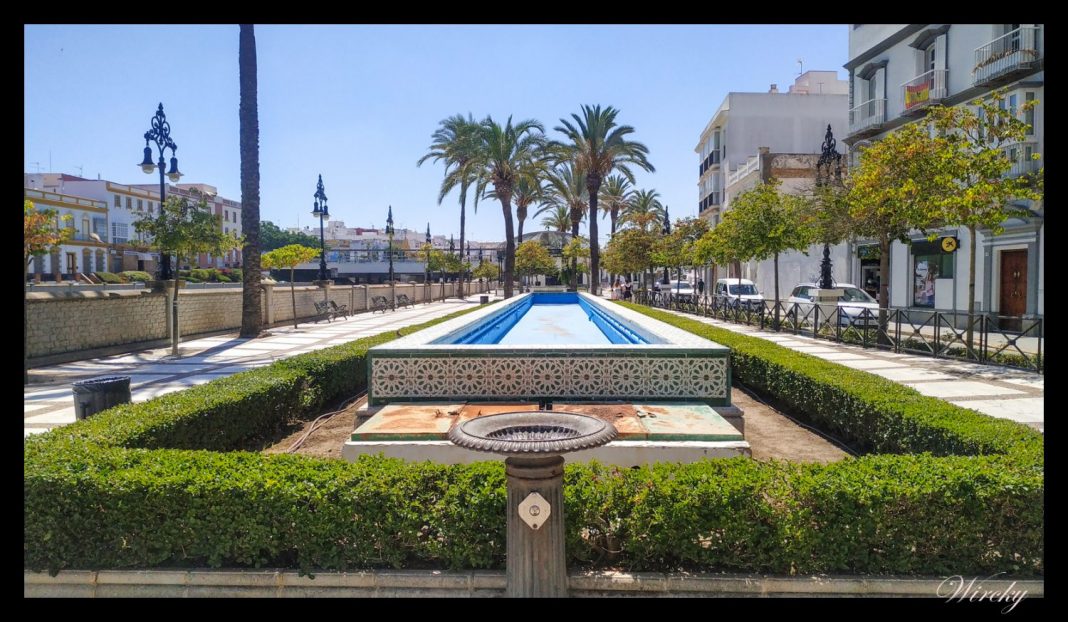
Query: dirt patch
x=772, y=435
x=325, y=441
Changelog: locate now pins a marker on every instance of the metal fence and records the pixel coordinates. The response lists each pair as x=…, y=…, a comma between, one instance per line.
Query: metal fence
x=1011, y=341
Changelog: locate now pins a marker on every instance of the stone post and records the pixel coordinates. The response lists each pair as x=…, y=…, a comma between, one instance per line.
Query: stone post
x=268, y=306
x=536, y=564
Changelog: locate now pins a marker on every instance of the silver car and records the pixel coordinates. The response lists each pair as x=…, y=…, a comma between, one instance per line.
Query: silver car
x=680, y=290
x=851, y=304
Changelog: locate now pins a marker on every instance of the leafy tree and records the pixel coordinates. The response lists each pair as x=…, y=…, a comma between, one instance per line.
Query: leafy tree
x=598, y=146
x=41, y=233
x=977, y=158
x=271, y=237
x=459, y=143
x=678, y=249
x=532, y=258
x=615, y=196
x=290, y=257
x=488, y=270
x=502, y=153
x=630, y=251
x=185, y=231
x=248, y=114
x=577, y=253
x=769, y=223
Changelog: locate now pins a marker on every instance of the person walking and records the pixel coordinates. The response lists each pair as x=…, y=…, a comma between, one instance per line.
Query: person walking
x=700, y=288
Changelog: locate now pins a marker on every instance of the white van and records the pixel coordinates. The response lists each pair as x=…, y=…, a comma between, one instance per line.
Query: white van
x=738, y=290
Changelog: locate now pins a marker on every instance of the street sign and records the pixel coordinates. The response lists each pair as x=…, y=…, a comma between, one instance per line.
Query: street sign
x=949, y=244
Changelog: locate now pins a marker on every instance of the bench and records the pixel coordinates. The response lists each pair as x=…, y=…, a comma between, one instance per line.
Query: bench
x=379, y=303
x=404, y=301
x=323, y=310
x=342, y=310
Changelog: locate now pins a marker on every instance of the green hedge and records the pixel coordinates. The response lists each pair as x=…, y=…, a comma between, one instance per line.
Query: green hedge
x=109, y=277
x=136, y=275
x=97, y=495
x=868, y=411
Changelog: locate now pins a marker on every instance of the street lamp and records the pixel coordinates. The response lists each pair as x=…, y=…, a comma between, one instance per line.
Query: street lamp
x=828, y=170
x=465, y=264
x=389, y=234
x=161, y=135
x=452, y=248
x=426, y=279
x=667, y=231
x=323, y=213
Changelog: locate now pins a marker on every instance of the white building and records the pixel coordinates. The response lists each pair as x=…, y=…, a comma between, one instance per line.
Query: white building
x=793, y=123
x=86, y=251
x=895, y=72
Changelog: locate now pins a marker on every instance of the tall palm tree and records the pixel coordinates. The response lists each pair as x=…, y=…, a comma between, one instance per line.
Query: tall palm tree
x=557, y=217
x=529, y=189
x=502, y=153
x=614, y=197
x=457, y=142
x=568, y=187
x=644, y=208
x=598, y=147
x=248, y=117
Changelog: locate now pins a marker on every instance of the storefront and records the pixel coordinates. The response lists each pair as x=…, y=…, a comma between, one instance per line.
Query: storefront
x=933, y=270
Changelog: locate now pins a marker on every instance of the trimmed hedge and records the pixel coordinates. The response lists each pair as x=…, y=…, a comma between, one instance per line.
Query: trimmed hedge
x=868, y=411
x=136, y=275
x=95, y=497
x=109, y=277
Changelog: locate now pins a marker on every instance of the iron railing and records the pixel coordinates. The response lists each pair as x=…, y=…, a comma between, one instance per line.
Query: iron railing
x=1010, y=341
x=1015, y=50
x=869, y=115
x=926, y=88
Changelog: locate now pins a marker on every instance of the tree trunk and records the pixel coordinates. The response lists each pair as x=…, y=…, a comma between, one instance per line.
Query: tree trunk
x=573, y=281
x=971, y=286
x=463, y=218
x=614, y=214
x=776, y=302
x=521, y=216
x=293, y=295
x=509, y=242
x=593, y=184
x=251, y=292
x=884, y=289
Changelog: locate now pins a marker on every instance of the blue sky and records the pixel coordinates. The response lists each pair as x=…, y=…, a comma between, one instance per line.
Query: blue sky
x=359, y=103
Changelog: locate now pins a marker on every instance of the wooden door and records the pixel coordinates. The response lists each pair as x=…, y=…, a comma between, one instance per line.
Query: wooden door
x=1013, y=287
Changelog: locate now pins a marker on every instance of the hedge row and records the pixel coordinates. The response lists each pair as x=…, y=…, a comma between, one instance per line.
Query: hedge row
x=94, y=497
x=100, y=507
x=868, y=411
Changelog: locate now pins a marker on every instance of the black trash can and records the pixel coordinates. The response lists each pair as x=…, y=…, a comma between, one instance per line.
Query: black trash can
x=97, y=394
x=483, y=299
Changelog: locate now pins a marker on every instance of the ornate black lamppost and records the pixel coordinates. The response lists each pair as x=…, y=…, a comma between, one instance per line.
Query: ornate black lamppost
x=161, y=135
x=828, y=170
x=426, y=279
x=389, y=234
x=452, y=250
x=464, y=266
x=322, y=213
x=667, y=231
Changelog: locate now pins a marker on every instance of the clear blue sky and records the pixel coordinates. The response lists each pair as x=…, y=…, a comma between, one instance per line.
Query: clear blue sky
x=359, y=103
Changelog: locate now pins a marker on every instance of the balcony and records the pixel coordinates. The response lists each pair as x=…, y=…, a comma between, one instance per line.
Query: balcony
x=867, y=118
x=1006, y=58
x=709, y=162
x=709, y=202
x=1022, y=162
x=925, y=89
x=752, y=164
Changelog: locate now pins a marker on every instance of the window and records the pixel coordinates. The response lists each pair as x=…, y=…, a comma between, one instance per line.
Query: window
x=120, y=232
x=129, y=203
x=140, y=205
x=1029, y=114
x=118, y=201
x=929, y=58
x=150, y=207
x=85, y=226
x=1012, y=104
x=929, y=263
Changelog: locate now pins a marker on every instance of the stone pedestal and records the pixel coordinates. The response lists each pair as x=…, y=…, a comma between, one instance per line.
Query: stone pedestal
x=827, y=302
x=536, y=562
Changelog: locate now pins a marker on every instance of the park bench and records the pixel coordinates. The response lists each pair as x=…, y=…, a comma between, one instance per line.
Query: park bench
x=404, y=301
x=323, y=311
x=342, y=310
x=379, y=303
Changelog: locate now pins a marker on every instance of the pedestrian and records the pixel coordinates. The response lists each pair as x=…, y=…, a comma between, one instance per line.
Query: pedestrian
x=700, y=287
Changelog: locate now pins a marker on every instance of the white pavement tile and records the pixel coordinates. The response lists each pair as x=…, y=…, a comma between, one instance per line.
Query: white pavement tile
x=50, y=395
x=58, y=417
x=910, y=374
x=265, y=344
x=960, y=388
x=166, y=368
x=812, y=349
x=872, y=364
x=29, y=408
x=1025, y=409
x=1039, y=383
x=155, y=391
x=842, y=356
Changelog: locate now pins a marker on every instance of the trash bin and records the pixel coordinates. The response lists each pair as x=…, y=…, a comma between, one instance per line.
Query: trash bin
x=483, y=299
x=97, y=394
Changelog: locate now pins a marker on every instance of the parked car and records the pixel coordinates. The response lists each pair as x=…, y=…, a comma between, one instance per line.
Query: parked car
x=679, y=290
x=739, y=292
x=851, y=304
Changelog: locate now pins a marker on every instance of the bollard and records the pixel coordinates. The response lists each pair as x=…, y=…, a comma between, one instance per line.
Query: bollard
x=97, y=394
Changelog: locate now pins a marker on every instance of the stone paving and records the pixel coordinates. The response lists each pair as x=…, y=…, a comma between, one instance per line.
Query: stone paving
x=996, y=391
x=48, y=401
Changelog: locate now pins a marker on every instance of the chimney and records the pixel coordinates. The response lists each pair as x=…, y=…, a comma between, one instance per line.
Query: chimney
x=774, y=88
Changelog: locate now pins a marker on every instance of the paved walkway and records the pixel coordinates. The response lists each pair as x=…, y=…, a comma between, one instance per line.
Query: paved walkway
x=996, y=391
x=48, y=401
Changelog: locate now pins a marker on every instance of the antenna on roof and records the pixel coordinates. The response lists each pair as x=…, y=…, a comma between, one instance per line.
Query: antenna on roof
x=80, y=169
x=38, y=165
x=799, y=62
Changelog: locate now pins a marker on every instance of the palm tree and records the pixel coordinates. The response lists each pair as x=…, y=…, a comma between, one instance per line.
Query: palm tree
x=614, y=197
x=557, y=217
x=568, y=187
x=529, y=188
x=598, y=146
x=502, y=153
x=644, y=208
x=248, y=114
x=457, y=142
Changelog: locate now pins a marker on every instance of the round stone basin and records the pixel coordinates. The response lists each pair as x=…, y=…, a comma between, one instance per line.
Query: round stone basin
x=544, y=432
